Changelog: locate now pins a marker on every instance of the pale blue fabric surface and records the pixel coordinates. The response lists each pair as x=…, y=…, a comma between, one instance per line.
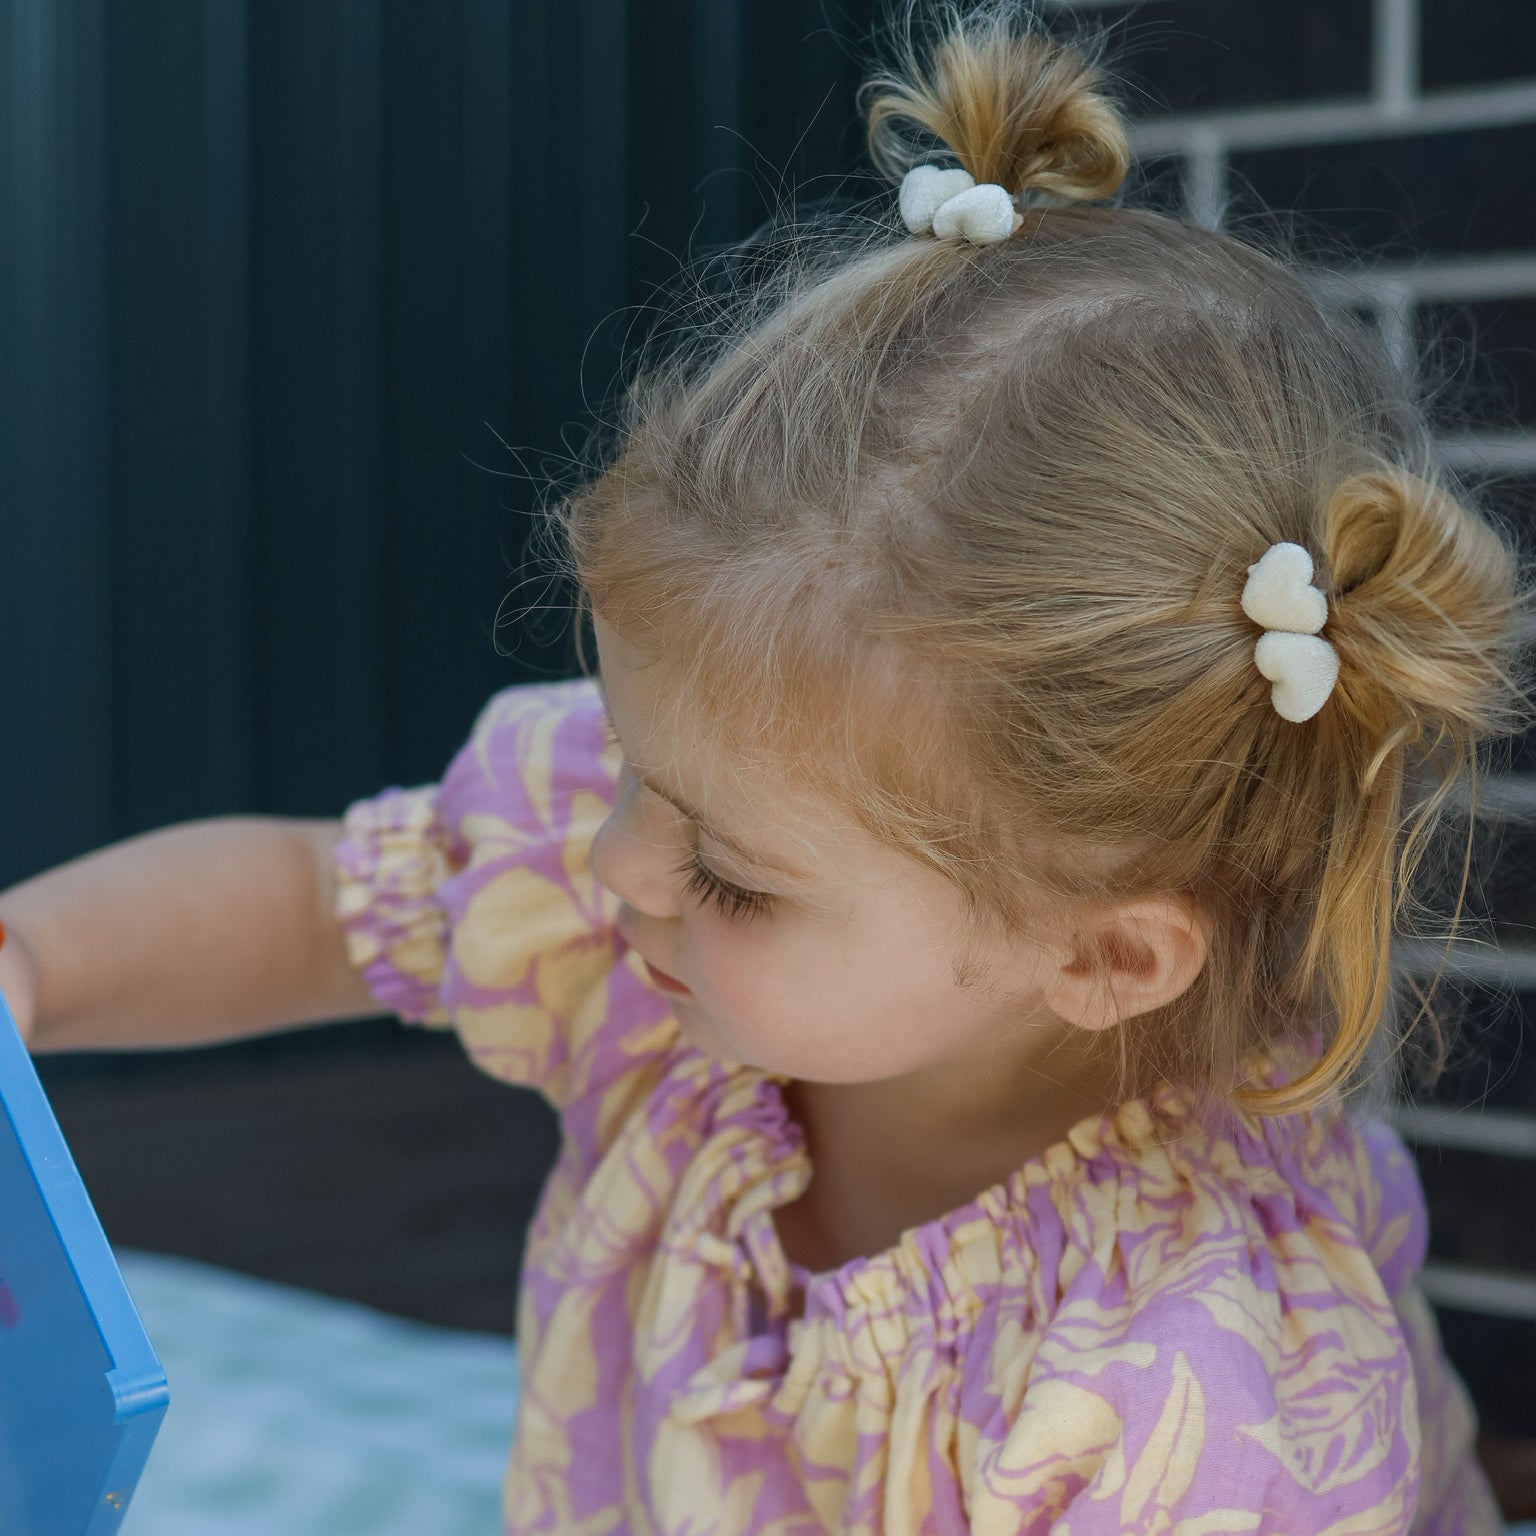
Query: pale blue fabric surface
x=294, y=1414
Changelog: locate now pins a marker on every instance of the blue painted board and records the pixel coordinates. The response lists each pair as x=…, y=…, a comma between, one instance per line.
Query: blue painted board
x=82, y=1395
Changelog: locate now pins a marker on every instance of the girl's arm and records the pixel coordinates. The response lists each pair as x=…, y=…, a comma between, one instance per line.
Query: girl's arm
x=205, y=931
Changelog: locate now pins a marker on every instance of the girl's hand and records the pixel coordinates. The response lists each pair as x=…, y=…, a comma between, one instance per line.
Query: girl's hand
x=18, y=979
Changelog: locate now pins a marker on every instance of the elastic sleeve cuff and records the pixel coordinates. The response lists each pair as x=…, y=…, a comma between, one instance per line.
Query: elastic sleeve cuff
x=389, y=865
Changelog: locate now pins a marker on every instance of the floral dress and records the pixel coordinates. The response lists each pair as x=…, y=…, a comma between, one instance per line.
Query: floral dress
x=1152, y=1326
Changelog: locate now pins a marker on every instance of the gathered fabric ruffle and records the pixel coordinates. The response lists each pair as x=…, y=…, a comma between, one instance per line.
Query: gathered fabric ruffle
x=389, y=868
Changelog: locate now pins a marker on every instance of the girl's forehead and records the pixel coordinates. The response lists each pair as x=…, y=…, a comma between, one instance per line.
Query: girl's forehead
x=758, y=810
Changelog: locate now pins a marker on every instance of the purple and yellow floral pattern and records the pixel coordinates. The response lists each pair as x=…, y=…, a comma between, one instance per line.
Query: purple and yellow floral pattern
x=1154, y=1327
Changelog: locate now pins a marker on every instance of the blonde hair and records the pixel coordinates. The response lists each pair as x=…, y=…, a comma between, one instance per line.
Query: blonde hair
x=956, y=536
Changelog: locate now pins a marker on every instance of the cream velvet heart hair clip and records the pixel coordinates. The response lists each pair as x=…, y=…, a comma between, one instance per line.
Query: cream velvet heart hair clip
x=1280, y=597
x=953, y=205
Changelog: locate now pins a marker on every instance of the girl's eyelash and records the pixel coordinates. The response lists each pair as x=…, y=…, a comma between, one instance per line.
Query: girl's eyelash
x=732, y=901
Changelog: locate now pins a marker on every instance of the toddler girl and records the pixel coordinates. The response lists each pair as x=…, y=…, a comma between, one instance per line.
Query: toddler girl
x=1034, y=643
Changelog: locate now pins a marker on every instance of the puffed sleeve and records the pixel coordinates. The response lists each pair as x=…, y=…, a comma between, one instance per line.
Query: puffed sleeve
x=1219, y=1344
x=1174, y=1423
x=470, y=903
x=1455, y=1498
x=1208, y=1412
x=1454, y=1495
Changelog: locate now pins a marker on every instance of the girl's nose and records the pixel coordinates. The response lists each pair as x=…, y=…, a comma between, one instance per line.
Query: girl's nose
x=634, y=856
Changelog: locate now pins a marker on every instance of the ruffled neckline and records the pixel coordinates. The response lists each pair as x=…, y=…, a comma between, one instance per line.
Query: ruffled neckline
x=928, y=1290
x=925, y=1291
x=914, y=1260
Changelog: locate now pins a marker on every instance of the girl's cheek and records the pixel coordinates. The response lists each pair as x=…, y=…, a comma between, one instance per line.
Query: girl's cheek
x=735, y=958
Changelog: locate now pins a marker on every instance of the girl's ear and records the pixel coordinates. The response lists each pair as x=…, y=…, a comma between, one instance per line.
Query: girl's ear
x=1128, y=958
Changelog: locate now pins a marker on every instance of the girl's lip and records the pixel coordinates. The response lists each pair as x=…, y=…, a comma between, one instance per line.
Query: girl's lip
x=665, y=982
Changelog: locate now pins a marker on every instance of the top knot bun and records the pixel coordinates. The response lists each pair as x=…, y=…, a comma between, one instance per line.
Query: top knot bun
x=1013, y=105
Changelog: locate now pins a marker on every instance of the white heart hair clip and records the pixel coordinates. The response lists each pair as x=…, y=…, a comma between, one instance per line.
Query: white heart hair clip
x=1280, y=597
x=952, y=204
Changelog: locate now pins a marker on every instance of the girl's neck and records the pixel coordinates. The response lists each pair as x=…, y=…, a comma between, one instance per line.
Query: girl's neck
x=890, y=1155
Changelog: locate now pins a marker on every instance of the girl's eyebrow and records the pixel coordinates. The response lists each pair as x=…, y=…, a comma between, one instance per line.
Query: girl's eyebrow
x=676, y=801
x=740, y=850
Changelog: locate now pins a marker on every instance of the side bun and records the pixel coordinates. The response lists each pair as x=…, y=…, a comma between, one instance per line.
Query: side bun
x=1421, y=599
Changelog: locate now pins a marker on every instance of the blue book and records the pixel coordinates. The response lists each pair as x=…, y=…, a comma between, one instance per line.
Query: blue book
x=82, y=1395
